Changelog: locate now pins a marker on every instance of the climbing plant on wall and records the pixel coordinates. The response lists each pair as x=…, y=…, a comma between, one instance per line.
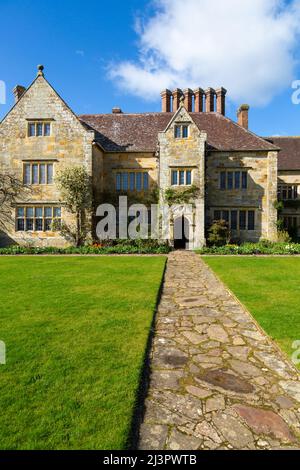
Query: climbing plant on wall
x=181, y=195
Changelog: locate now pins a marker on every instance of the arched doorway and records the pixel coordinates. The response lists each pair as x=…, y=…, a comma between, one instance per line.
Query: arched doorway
x=181, y=230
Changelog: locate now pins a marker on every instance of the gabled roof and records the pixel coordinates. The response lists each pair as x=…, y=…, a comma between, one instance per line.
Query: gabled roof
x=41, y=76
x=127, y=132
x=289, y=156
x=225, y=134
x=139, y=132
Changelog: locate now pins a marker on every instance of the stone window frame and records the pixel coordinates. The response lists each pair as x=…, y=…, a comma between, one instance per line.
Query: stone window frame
x=284, y=190
x=226, y=213
x=139, y=185
x=229, y=183
x=181, y=128
x=32, y=163
x=37, y=124
x=178, y=170
x=22, y=217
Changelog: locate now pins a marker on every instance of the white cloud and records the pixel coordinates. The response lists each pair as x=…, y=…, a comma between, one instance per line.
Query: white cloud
x=247, y=46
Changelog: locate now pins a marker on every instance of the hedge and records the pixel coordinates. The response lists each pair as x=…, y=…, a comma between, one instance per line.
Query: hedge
x=115, y=247
x=261, y=248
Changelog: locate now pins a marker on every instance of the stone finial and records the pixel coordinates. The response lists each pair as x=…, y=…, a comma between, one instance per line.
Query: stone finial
x=40, y=70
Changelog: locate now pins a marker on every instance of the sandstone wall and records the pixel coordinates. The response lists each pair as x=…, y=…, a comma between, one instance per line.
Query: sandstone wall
x=69, y=144
x=184, y=153
x=259, y=196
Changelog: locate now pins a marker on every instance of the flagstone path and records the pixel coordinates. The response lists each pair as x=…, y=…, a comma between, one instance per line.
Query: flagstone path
x=217, y=381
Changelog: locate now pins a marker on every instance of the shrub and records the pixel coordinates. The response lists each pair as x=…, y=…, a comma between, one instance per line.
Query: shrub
x=261, y=248
x=218, y=233
x=100, y=248
x=75, y=186
x=283, y=236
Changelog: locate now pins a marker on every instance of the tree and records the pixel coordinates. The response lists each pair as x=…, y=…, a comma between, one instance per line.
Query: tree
x=74, y=184
x=218, y=233
x=11, y=190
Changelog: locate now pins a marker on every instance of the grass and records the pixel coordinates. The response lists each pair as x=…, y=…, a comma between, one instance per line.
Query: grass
x=270, y=289
x=75, y=331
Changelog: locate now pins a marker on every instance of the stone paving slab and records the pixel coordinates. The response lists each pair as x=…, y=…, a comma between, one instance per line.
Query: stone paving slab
x=217, y=381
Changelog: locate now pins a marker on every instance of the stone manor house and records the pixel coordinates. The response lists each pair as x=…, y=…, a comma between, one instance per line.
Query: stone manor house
x=232, y=173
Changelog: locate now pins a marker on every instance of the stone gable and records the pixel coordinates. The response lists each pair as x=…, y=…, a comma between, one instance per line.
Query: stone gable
x=69, y=144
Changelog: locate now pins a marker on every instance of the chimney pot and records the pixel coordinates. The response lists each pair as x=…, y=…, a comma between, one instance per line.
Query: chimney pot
x=243, y=115
x=177, y=94
x=117, y=110
x=221, y=93
x=166, y=96
x=199, y=93
x=18, y=91
x=188, y=99
x=210, y=100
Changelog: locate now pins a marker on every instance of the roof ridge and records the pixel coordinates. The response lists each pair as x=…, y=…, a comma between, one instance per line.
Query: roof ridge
x=126, y=114
x=282, y=137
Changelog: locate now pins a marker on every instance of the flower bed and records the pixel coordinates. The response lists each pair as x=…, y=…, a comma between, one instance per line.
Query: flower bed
x=261, y=248
x=108, y=247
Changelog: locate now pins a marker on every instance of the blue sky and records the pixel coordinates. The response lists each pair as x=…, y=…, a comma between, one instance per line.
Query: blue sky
x=100, y=54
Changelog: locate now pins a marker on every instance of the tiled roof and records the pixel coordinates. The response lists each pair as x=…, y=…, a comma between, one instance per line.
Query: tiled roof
x=225, y=134
x=128, y=132
x=138, y=132
x=289, y=156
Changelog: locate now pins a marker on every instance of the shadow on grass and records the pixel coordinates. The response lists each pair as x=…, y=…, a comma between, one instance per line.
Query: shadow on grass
x=144, y=380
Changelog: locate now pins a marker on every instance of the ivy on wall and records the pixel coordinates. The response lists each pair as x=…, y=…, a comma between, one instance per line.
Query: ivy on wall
x=181, y=195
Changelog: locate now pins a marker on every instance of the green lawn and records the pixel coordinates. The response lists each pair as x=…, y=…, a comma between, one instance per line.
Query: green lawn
x=75, y=330
x=270, y=288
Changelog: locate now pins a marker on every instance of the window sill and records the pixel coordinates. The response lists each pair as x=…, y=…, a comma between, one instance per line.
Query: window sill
x=181, y=185
x=31, y=232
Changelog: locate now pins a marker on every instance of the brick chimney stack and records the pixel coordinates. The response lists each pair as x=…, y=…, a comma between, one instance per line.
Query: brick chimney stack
x=18, y=91
x=221, y=93
x=199, y=94
x=166, y=97
x=243, y=115
x=177, y=94
x=188, y=99
x=210, y=100
x=197, y=100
